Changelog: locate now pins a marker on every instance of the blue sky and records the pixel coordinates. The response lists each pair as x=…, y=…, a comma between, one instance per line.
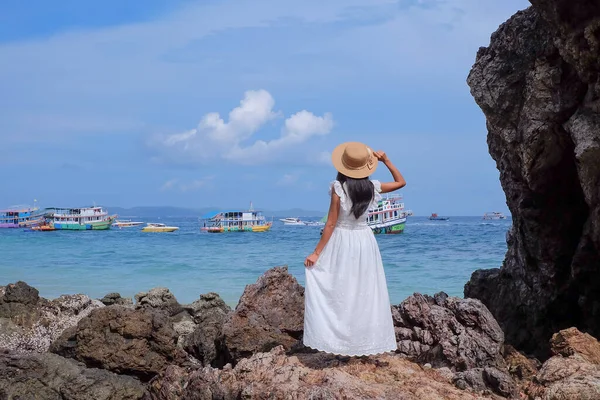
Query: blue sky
x=218, y=103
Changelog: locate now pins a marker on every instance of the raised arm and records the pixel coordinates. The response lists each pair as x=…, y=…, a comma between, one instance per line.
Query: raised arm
x=332, y=216
x=399, y=181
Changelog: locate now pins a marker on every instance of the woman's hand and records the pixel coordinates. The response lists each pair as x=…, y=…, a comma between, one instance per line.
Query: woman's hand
x=381, y=156
x=311, y=260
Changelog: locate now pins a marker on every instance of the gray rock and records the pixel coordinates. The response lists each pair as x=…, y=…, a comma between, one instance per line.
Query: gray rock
x=116, y=299
x=51, y=377
x=159, y=298
x=448, y=331
x=537, y=84
x=204, y=344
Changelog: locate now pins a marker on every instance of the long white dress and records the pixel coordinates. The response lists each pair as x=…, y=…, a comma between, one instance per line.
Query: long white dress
x=347, y=306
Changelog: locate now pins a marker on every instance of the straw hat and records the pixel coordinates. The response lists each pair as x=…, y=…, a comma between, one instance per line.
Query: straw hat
x=354, y=159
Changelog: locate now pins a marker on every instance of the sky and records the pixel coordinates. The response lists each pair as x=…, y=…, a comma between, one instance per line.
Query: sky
x=219, y=103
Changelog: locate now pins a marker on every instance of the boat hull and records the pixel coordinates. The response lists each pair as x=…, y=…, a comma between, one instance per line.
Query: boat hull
x=8, y=226
x=166, y=229
x=223, y=229
x=91, y=226
x=389, y=230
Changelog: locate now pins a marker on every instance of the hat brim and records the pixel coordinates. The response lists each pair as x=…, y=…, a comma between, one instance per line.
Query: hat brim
x=336, y=159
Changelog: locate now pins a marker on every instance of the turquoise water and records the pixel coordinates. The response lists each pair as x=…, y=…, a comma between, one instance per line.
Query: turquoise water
x=428, y=257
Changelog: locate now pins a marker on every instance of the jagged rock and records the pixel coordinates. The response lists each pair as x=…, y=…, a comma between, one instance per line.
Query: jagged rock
x=316, y=376
x=537, y=84
x=209, y=313
x=31, y=323
x=126, y=341
x=519, y=366
x=448, y=331
x=484, y=379
x=50, y=377
x=569, y=374
x=207, y=305
x=269, y=313
x=570, y=341
x=115, y=299
x=159, y=298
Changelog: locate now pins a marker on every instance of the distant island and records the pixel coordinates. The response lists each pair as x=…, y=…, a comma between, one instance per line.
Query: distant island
x=166, y=211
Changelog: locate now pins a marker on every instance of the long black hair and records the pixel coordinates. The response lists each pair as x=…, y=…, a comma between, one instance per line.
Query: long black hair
x=360, y=191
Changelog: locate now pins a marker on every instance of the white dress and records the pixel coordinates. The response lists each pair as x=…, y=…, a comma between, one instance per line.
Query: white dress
x=347, y=306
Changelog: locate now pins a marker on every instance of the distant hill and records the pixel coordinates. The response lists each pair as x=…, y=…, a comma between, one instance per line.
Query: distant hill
x=197, y=212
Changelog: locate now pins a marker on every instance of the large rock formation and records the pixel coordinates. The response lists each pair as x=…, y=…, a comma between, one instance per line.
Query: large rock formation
x=459, y=334
x=133, y=342
x=537, y=84
x=270, y=313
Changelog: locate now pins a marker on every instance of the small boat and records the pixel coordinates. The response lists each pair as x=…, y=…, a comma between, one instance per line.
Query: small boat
x=156, y=227
x=435, y=217
x=44, y=227
x=78, y=219
x=292, y=221
x=493, y=215
x=20, y=217
x=126, y=223
x=235, y=221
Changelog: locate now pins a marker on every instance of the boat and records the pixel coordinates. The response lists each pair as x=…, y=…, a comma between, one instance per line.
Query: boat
x=126, y=223
x=494, y=215
x=157, y=227
x=78, y=219
x=20, y=217
x=388, y=217
x=235, y=221
x=44, y=227
x=292, y=221
x=435, y=217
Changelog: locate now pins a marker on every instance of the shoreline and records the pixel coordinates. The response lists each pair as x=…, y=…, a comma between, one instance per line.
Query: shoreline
x=156, y=348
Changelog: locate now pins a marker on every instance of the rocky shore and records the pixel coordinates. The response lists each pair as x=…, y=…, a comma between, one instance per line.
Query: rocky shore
x=75, y=347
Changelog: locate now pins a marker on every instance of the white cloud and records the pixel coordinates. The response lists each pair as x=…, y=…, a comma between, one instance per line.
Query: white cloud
x=216, y=138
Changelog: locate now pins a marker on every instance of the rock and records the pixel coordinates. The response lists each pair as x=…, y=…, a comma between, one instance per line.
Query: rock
x=570, y=341
x=519, y=366
x=573, y=373
x=484, y=379
x=49, y=377
x=537, y=84
x=206, y=306
x=159, y=298
x=22, y=293
x=116, y=299
x=448, y=331
x=269, y=313
x=209, y=313
x=308, y=376
x=29, y=323
x=126, y=341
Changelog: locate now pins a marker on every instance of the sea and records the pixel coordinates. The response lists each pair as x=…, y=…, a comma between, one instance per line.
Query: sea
x=429, y=257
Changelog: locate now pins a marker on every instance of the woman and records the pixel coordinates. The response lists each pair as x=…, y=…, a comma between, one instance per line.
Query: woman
x=347, y=307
